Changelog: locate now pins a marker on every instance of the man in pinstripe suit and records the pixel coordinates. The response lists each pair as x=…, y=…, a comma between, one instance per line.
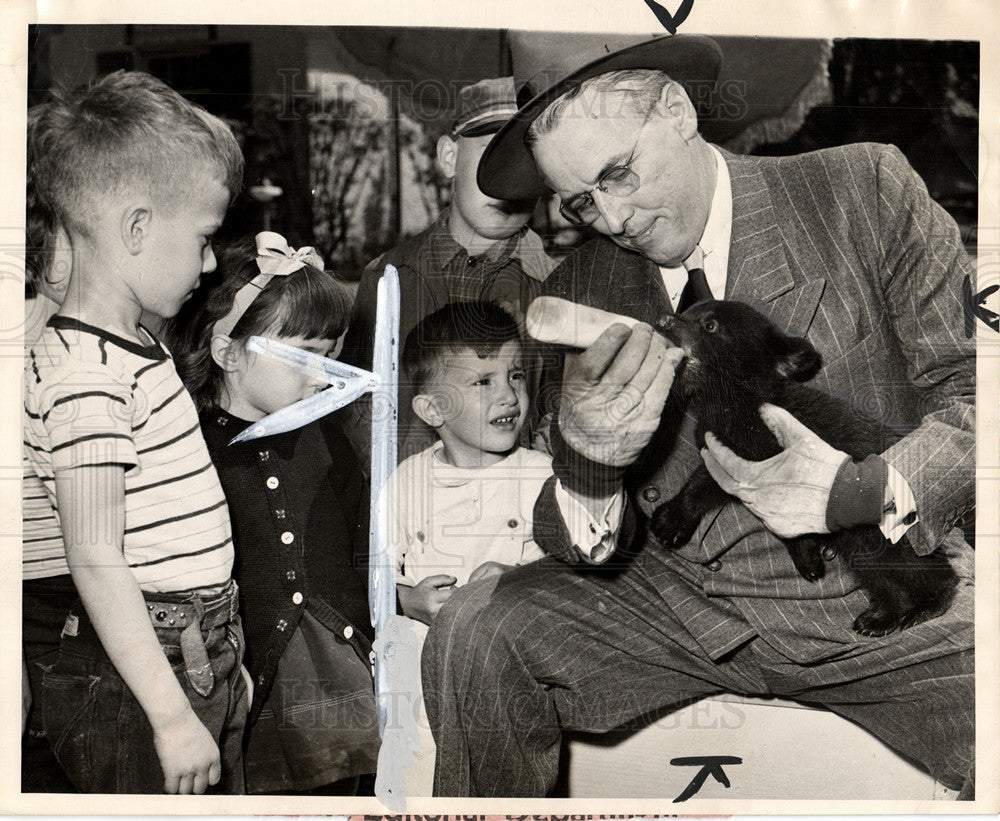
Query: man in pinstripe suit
x=842, y=246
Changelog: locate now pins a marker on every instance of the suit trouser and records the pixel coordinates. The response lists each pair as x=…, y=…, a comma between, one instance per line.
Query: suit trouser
x=508, y=666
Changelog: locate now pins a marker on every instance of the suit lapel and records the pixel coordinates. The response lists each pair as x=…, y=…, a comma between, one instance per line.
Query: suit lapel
x=631, y=284
x=759, y=272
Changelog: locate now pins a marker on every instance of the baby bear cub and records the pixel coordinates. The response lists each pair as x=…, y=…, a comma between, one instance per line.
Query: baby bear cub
x=735, y=360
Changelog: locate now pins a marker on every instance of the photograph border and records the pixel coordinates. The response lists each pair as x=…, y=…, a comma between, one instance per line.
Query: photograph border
x=906, y=19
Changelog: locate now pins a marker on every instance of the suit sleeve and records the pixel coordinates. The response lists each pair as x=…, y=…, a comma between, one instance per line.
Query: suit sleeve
x=924, y=267
x=550, y=530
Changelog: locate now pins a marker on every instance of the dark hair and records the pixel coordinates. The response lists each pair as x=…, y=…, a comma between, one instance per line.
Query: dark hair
x=310, y=303
x=129, y=132
x=483, y=327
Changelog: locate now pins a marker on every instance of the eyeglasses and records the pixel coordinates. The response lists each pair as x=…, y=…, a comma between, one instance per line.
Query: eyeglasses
x=619, y=181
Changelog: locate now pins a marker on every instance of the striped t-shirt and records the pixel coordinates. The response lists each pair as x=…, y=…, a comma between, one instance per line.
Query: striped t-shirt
x=92, y=398
x=43, y=552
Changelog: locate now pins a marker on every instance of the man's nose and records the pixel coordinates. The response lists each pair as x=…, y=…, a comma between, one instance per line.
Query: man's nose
x=615, y=211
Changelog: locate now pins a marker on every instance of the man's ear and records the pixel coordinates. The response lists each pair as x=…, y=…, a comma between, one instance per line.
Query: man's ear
x=675, y=104
x=447, y=156
x=227, y=354
x=136, y=225
x=55, y=281
x=425, y=406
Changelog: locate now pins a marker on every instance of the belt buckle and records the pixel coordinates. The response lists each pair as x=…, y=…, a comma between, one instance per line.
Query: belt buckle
x=168, y=615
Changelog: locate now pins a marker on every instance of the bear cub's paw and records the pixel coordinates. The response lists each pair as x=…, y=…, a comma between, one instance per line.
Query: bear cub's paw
x=673, y=524
x=806, y=556
x=876, y=622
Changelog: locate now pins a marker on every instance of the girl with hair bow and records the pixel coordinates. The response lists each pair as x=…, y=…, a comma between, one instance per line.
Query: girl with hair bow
x=298, y=504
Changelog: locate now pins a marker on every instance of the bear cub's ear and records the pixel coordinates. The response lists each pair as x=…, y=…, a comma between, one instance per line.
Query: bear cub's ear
x=797, y=358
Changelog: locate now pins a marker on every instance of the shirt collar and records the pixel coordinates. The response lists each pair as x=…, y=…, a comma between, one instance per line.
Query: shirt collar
x=714, y=241
x=719, y=227
x=525, y=246
x=446, y=475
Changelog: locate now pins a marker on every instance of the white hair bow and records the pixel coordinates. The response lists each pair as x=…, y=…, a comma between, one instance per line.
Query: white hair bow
x=275, y=258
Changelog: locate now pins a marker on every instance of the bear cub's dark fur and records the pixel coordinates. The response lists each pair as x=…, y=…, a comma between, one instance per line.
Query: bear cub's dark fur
x=735, y=360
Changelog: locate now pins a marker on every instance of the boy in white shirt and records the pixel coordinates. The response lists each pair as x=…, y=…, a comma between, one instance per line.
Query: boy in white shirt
x=461, y=510
x=464, y=505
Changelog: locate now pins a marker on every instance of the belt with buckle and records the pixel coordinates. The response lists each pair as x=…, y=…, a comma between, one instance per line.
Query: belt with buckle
x=191, y=613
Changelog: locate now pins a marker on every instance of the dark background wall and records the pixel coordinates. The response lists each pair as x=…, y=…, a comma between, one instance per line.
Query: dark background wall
x=922, y=96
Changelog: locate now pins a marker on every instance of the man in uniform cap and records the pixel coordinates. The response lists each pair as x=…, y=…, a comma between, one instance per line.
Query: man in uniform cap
x=479, y=248
x=842, y=246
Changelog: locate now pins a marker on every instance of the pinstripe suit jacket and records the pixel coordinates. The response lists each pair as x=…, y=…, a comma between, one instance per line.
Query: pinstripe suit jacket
x=845, y=247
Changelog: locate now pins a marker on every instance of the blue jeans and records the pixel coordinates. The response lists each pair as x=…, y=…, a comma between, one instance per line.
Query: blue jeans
x=44, y=606
x=97, y=728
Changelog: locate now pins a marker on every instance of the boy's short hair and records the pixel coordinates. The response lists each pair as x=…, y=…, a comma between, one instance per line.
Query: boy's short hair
x=40, y=222
x=483, y=327
x=128, y=132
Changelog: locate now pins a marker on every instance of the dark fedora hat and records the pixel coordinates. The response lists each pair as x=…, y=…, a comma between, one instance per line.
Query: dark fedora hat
x=761, y=86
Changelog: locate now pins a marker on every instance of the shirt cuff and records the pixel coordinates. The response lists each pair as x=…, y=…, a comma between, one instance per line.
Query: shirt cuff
x=594, y=539
x=900, y=511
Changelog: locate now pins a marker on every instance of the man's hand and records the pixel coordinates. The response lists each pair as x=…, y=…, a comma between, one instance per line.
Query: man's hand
x=487, y=570
x=188, y=754
x=789, y=492
x=423, y=600
x=613, y=393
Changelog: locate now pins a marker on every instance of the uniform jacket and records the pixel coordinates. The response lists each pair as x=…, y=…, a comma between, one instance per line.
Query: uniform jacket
x=845, y=247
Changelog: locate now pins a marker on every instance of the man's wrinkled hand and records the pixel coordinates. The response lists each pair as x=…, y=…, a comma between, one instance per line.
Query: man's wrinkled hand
x=614, y=391
x=789, y=492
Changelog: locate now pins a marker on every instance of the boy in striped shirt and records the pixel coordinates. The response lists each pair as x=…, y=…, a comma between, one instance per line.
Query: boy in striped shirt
x=146, y=694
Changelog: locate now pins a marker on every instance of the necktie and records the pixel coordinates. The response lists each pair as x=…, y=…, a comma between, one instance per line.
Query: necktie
x=697, y=289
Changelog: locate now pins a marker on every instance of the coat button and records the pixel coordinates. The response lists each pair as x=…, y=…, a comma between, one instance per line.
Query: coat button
x=296, y=597
x=272, y=482
x=651, y=494
x=290, y=575
x=348, y=632
x=264, y=455
x=287, y=537
x=829, y=553
x=714, y=565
